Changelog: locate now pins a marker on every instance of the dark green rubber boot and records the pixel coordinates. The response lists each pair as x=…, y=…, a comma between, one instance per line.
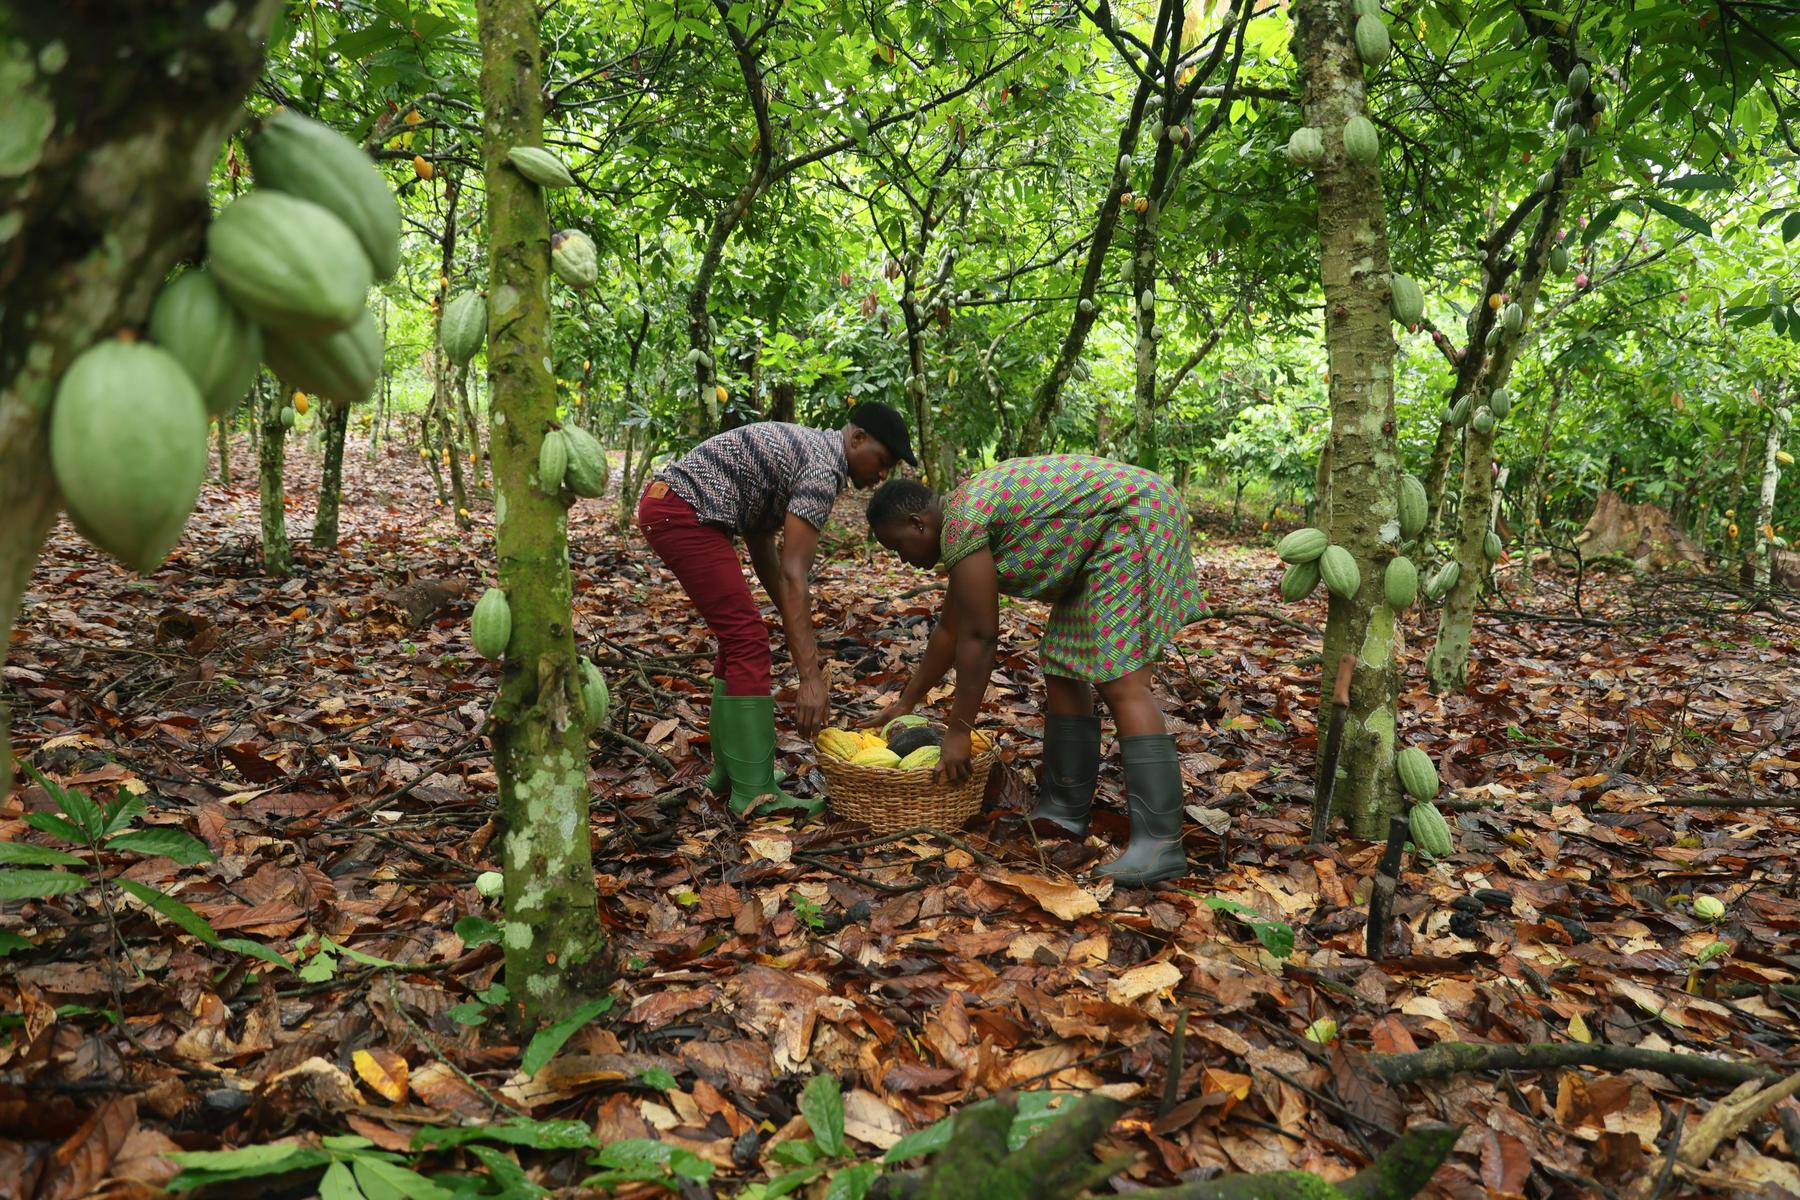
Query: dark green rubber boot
x=1071, y=770
x=718, y=778
x=1153, y=797
x=743, y=730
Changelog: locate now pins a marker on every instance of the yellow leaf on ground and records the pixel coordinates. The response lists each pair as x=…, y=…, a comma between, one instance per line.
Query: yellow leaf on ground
x=1056, y=897
x=1143, y=981
x=382, y=1070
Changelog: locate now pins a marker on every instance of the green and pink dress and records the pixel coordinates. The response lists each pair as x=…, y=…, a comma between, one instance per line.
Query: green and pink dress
x=1105, y=543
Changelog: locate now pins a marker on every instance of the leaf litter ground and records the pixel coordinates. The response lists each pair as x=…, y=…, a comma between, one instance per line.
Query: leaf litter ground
x=1606, y=767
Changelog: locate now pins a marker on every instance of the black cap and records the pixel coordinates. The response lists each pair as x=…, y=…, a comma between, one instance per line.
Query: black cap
x=884, y=423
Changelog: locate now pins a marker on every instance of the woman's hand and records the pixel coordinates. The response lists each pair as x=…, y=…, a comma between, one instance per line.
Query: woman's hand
x=953, y=759
x=898, y=708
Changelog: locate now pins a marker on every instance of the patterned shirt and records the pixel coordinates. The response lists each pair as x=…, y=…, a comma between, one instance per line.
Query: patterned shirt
x=750, y=478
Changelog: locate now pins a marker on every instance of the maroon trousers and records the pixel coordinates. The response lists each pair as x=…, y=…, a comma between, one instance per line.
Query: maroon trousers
x=707, y=564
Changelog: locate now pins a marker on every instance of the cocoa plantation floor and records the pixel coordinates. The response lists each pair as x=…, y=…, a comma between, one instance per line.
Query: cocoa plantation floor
x=321, y=735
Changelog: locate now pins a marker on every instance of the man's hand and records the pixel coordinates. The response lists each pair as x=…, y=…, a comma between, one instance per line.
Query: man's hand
x=898, y=708
x=811, y=706
x=953, y=759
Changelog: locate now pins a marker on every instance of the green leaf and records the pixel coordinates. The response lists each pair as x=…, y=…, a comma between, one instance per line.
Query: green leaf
x=1684, y=217
x=28, y=855
x=201, y=1167
x=522, y=1131
x=468, y=1013
x=1602, y=222
x=128, y=809
x=822, y=1103
x=929, y=1140
x=164, y=842
x=180, y=914
x=853, y=1183
x=1699, y=183
x=10, y=941
x=55, y=826
x=658, y=1078
x=1790, y=226
x=546, y=1042
x=381, y=1180
x=512, y=1181
x=338, y=1184
x=685, y=1164
x=35, y=885
x=85, y=814
x=252, y=949
x=476, y=930
x=793, y=1181
x=795, y=1152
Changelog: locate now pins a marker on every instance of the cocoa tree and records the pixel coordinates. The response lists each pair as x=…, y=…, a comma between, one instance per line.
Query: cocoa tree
x=554, y=947
x=1361, y=504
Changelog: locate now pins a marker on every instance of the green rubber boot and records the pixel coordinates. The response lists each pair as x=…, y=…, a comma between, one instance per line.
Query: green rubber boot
x=1153, y=796
x=744, y=742
x=718, y=778
x=1071, y=770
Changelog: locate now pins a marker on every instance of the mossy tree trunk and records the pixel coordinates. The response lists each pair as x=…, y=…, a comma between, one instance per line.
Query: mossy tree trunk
x=1363, y=497
x=334, y=424
x=1486, y=368
x=115, y=113
x=555, y=953
x=1765, y=503
x=222, y=427
x=271, y=462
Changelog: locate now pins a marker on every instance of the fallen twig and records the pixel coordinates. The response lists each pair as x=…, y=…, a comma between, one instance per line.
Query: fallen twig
x=1456, y=1058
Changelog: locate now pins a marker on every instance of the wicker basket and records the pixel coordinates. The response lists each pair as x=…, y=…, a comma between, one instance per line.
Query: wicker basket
x=888, y=800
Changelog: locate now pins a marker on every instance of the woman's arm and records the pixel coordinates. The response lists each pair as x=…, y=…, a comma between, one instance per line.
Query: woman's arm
x=974, y=598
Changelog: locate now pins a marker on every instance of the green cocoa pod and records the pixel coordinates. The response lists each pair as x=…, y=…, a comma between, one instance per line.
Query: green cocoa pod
x=1490, y=546
x=1302, y=545
x=1513, y=317
x=288, y=418
x=1146, y=300
x=1500, y=403
x=1373, y=45
x=1413, y=506
x=1483, y=420
x=304, y=158
x=1430, y=832
x=218, y=346
x=1339, y=571
x=574, y=259
x=490, y=628
x=1305, y=147
x=341, y=367
x=1559, y=259
x=1442, y=580
x=1562, y=114
x=1365, y=8
x=588, y=471
x=464, y=326
x=1298, y=581
x=128, y=449
x=1361, y=143
x=1417, y=775
x=1576, y=135
x=1578, y=81
x=553, y=462
x=288, y=263
x=595, y=699
x=1493, y=336
x=1459, y=412
x=540, y=166
x=1400, y=583
x=1408, y=301
x=1086, y=305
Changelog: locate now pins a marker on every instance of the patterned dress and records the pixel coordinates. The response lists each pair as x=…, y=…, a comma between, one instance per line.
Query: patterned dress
x=1105, y=543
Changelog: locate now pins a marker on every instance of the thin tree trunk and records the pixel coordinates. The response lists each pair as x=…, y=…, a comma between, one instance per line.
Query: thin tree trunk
x=471, y=427
x=334, y=423
x=1765, y=504
x=459, y=492
x=1533, y=533
x=277, y=554
x=1365, y=458
x=1437, y=475
x=223, y=426
x=555, y=953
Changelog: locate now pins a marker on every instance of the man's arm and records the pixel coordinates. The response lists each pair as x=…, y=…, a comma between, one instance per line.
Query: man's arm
x=799, y=543
x=766, y=559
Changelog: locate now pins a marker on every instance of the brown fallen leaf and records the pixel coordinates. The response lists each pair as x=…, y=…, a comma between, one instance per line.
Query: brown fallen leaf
x=1057, y=897
x=383, y=1070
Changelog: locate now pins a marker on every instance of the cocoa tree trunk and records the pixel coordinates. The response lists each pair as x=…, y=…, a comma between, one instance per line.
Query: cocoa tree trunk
x=1532, y=535
x=334, y=423
x=223, y=427
x=1363, y=495
x=1765, y=504
x=277, y=554
x=114, y=117
x=555, y=952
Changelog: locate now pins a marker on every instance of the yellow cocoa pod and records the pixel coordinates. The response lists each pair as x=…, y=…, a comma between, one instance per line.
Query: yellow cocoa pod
x=979, y=741
x=840, y=743
x=882, y=757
